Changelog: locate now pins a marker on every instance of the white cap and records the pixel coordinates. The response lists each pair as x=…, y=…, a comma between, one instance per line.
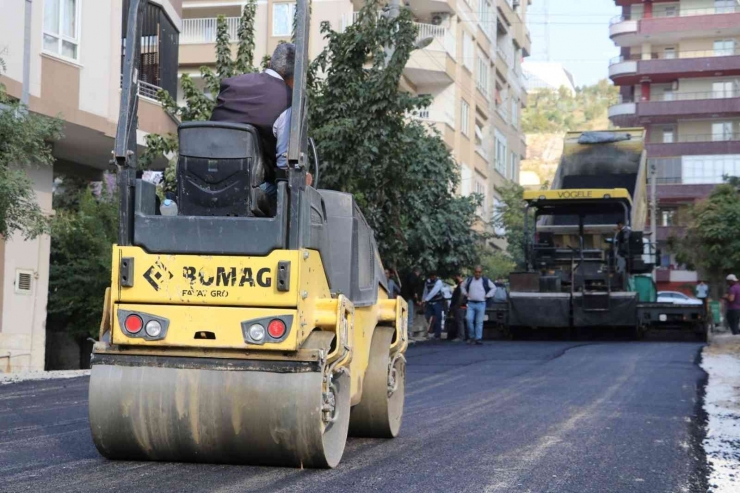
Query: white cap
x=732, y=277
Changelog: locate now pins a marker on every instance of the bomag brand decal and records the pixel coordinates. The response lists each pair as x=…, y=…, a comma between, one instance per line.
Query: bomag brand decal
x=578, y=194
x=224, y=277
x=201, y=283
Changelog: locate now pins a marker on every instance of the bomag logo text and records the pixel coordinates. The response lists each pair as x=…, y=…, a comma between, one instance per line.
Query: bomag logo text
x=229, y=276
x=575, y=195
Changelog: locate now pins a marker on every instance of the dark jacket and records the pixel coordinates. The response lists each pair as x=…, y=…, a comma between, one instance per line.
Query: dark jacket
x=256, y=99
x=413, y=287
x=458, y=300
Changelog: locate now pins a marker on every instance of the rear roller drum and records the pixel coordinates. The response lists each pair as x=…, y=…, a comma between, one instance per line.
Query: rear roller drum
x=379, y=413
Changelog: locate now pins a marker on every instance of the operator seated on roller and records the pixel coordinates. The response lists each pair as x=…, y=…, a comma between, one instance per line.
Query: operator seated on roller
x=263, y=101
x=621, y=244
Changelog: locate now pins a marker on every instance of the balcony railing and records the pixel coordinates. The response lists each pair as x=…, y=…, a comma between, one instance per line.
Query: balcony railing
x=505, y=56
x=677, y=55
x=431, y=115
x=146, y=89
x=683, y=96
x=678, y=12
x=713, y=137
x=203, y=31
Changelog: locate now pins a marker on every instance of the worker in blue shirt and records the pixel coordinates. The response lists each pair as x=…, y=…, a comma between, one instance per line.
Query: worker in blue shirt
x=433, y=298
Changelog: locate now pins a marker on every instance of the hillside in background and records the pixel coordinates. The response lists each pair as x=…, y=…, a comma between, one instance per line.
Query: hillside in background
x=549, y=115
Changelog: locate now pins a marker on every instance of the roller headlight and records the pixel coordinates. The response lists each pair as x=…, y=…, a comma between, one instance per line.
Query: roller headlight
x=257, y=333
x=153, y=328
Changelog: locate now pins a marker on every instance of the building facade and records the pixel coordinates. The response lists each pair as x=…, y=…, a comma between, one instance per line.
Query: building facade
x=75, y=74
x=679, y=76
x=472, y=69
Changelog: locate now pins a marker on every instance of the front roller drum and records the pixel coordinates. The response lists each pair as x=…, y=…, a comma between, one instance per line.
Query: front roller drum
x=379, y=413
x=285, y=416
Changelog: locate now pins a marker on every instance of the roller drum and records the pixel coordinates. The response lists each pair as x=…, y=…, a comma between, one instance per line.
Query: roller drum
x=218, y=416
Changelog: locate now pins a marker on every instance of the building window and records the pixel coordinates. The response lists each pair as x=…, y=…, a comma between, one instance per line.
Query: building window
x=468, y=51
x=282, y=19
x=513, y=163
x=498, y=211
x=724, y=6
x=465, y=117
x=61, y=28
x=671, y=11
x=724, y=47
x=721, y=90
x=466, y=177
x=500, y=153
x=485, y=19
x=666, y=217
x=721, y=131
x=668, y=94
x=480, y=189
x=483, y=71
x=669, y=53
x=698, y=170
x=668, y=135
x=514, y=113
x=159, y=50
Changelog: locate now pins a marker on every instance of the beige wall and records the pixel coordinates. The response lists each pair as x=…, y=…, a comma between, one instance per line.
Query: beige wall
x=24, y=315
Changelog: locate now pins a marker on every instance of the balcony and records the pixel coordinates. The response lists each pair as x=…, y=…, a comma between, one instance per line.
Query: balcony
x=435, y=64
x=505, y=56
x=674, y=24
x=669, y=107
x=203, y=31
x=668, y=66
x=693, y=145
x=442, y=121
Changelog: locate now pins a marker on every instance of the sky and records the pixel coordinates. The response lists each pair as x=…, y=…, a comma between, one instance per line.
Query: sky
x=578, y=37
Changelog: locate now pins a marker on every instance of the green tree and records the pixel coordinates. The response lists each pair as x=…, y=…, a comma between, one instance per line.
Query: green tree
x=496, y=264
x=711, y=244
x=24, y=143
x=82, y=232
x=510, y=218
x=402, y=176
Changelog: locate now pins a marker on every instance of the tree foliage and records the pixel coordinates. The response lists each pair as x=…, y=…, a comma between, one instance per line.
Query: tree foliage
x=496, y=264
x=551, y=111
x=24, y=143
x=510, y=218
x=711, y=243
x=401, y=175
x=82, y=232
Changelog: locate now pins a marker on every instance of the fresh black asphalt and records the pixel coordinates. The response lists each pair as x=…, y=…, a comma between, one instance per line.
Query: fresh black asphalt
x=503, y=417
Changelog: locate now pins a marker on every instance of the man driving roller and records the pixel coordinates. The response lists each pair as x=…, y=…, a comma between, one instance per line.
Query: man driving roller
x=263, y=100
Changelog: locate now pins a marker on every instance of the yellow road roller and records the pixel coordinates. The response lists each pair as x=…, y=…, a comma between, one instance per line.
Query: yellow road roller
x=236, y=333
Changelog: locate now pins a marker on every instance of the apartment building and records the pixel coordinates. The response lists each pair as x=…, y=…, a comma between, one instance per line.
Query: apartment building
x=75, y=74
x=472, y=69
x=679, y=76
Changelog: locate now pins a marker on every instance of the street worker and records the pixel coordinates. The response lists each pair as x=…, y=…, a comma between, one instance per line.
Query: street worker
x=393, y=289
x=621, y=245
x=264, y=101
x=478, y=290
x=433, y=299
x=732, y=302
x=456, y=332
x=411, y=292
x=702, y=293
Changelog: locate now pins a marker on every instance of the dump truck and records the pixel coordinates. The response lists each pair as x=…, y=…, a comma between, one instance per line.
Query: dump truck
x=580, y=274
x=234, y=336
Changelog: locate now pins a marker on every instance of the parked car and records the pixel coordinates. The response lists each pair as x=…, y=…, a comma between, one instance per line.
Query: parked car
x=677, y=298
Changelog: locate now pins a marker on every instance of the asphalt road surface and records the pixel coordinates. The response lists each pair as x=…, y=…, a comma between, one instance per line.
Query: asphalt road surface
x=506, y=416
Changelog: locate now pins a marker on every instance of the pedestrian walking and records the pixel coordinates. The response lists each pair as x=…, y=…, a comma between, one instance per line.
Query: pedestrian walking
x=732, y=302
x=478, y=290
x=411, y=292
x=433, y=299
x=457, y=307
x=393, y=289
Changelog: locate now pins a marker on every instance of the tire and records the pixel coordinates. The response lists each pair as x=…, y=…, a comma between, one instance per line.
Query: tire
x=378, y=415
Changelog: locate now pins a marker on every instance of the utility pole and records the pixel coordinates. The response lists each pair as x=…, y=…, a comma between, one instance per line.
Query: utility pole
x=654, y=212
x=25, y=95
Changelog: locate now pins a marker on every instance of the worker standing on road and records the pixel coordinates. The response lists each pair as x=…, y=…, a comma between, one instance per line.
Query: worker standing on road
x=702, y=293
x=457, y=307
x=477, y=289
x=433, y=299
x=410, y=291
x=393, y=290
x=732, y=300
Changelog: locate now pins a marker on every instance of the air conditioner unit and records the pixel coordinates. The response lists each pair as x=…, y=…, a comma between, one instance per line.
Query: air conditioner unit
x=674, y=86
x=516, y=4
x=440, y=18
